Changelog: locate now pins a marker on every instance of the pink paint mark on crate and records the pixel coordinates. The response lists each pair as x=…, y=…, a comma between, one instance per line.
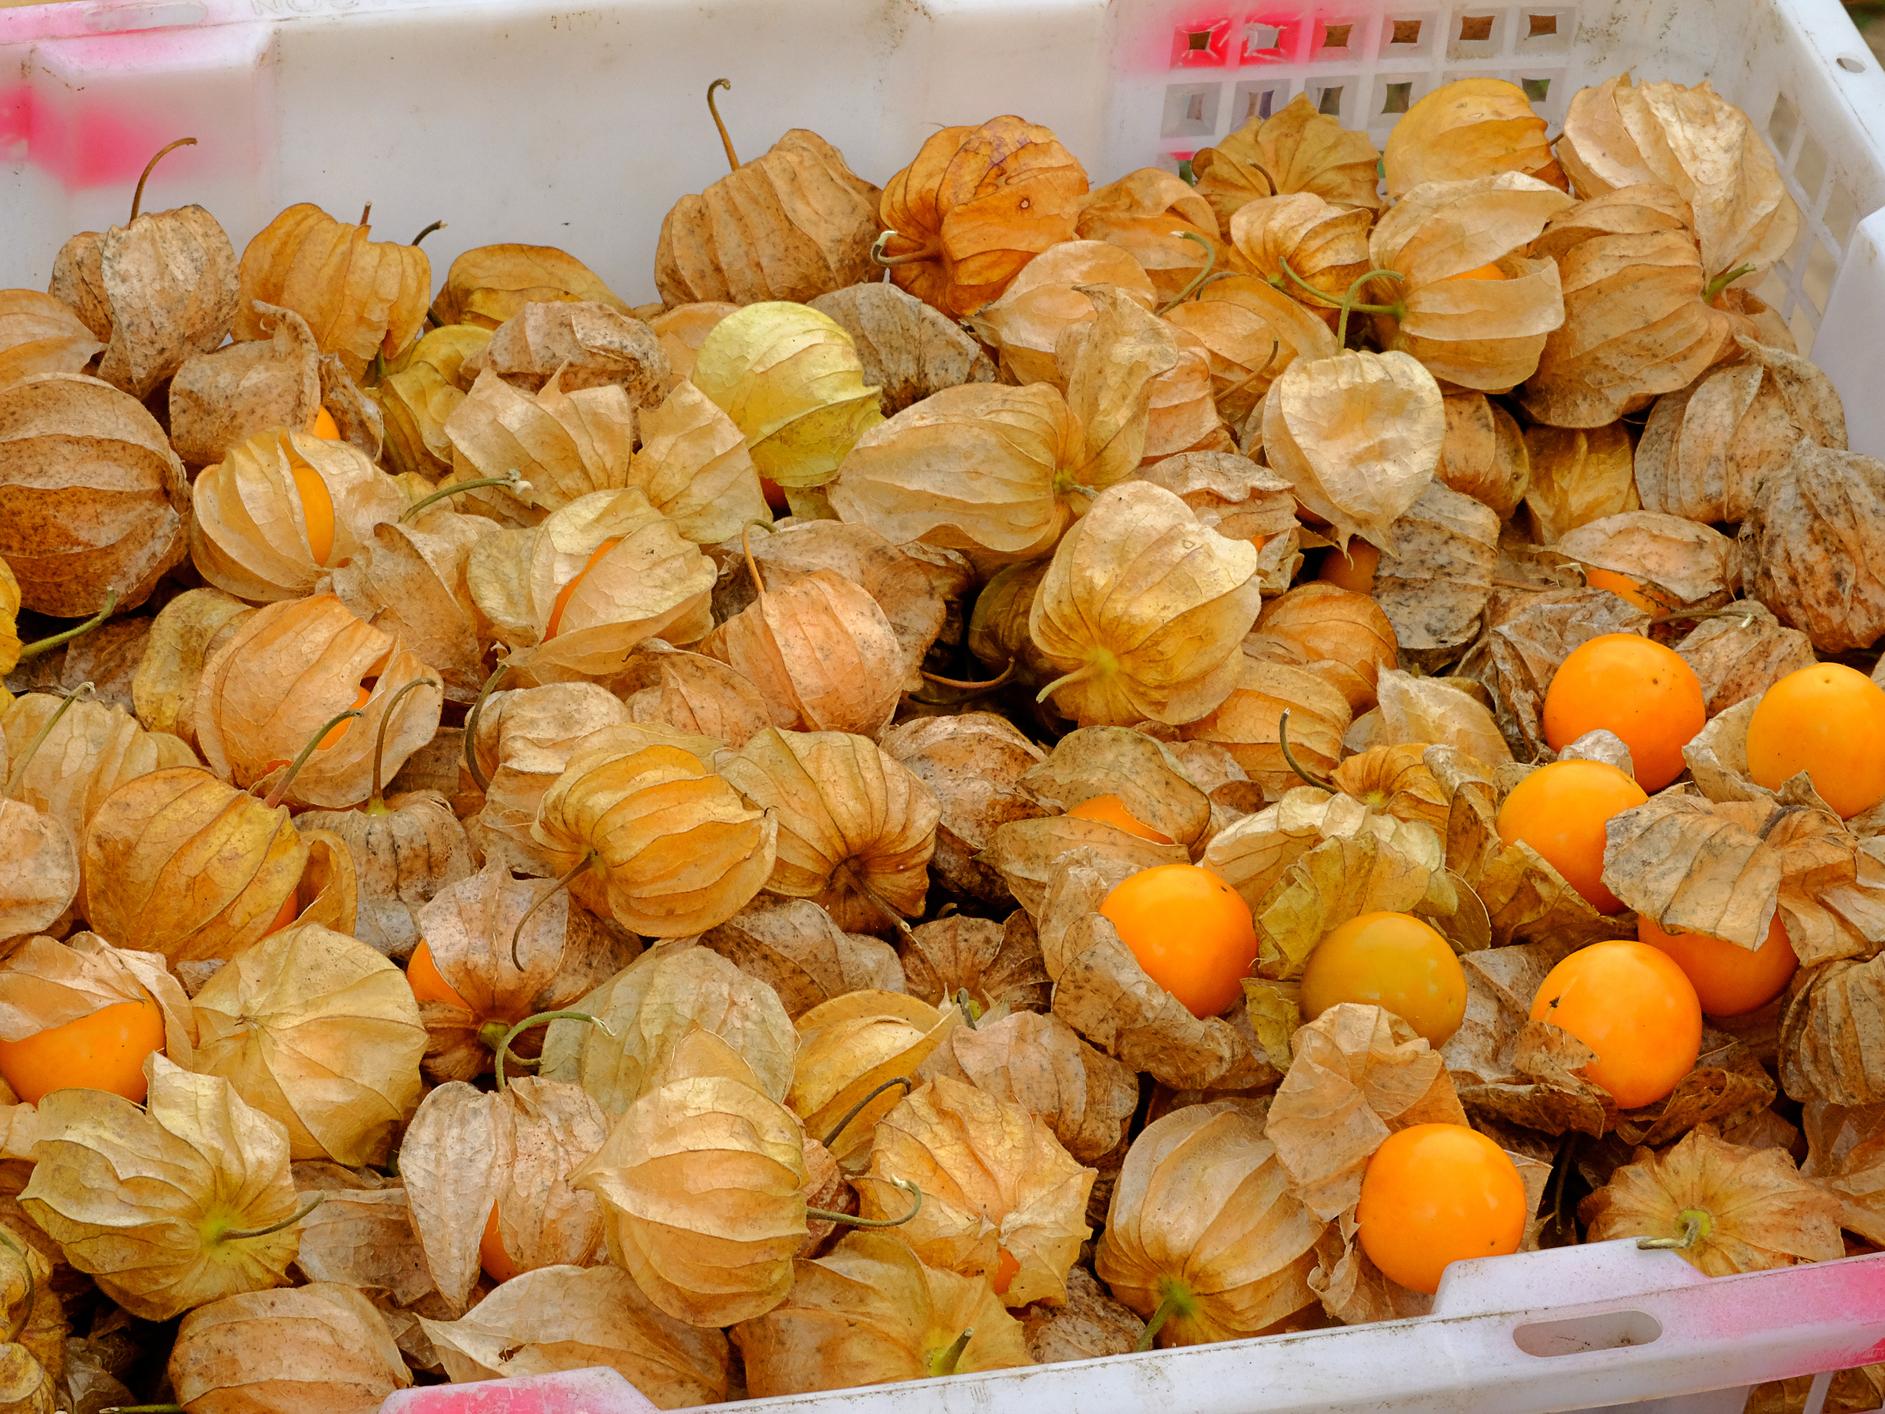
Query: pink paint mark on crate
x=571, y=1392
x=1203, y=44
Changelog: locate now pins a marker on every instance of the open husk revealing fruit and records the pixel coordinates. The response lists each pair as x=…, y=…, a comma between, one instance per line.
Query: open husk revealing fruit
x=1295, y=149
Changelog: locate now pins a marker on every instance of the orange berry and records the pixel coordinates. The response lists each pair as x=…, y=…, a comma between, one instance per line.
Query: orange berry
x=1111, y=810
x=103, y=1051
x=361, y=695
x=1630, y=590
x=290, y=909
x=1006, y=1268
x=1355, y=570
x=1190, y=931
x=1560, y=810
x=492, y=1255
x=563, y=594
x=428, y=983
x=1633, y=686
x=322, y=425
x=1434, y=1194
x=1728, y=979
x=317, y=510
x=1633, y=1006
x=1389, y=960
x=775, y=496
x=1829, y=721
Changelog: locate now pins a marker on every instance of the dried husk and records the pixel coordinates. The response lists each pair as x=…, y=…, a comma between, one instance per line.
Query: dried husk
x=1246, y=723
x=1357, y=1075
x=1396, y=780
x=1635, y=320
x=92, y=499
x=694, y=468
x=1528, y=635
x=1240, y=500
x=272, y=683
x=406, y=847
x=489, y=284
x=1358, y=437
x=1048, y=298
x=652, y=582
x=1741, y=655
x=702, y=1182
x=1465, y=129
x=651, y=1007
x=974, y=206
x=1038, y=1062
x=566, y=444
x=250, y=533
x=43, y=879
x=997, y=965
x=1089, y=1325
x=410, y=579
x=1754, y=1209
x=1706, y=449
x=994, y=1179
x=1810, y=540
x=795, y=948
x=581, y=344
x=42, y=334
x=1251, y=332
x=1142, y=609
x=871, y=1312
x=1434, y=585
x=910, y=350
x=983, y=468
x=1692, y=140
x=1346, y=633
x=1829, y=1034
x=468, y=1152
x=322, y=1346
x=223, y=398
x=44, y=984
x=657, y=839
x=1484, y=453
x=419, y=392
x=1300, y=237
x=1296, y=149
x=361, y=1236
x=362, y=298
x=974, y=763
x=322, y=1034
x=856, y=827
x=157, y=290
x=1437, y=712
x=851, y=1045
x=791, y=380
x=1027, y=853
x=573, y=1318
x=146, y=1201
x=1154, y=215
x=1577, y=475
x=524, y=740
x=1203, y=1210
x=562, y=953
x=1482, y=334
x=690, y=692
x=1674, y=561
x=86, y=754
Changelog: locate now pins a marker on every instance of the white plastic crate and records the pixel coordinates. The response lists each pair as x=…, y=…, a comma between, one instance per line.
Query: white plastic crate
x=579, y=124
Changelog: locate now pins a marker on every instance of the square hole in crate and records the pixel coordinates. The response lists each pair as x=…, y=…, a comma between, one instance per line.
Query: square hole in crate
x=1404, y=36
x=1257, y=100
x=1397, y=96
x=1191, y=110
x=1816, y=281
x=1269, y=38
x=1783, y=125
x=1476, y=35
x=1332, y=95
x=1333, y=39
x=1539, y=31
x=1538, y=90
x=1203, y=44
x=1809, y=169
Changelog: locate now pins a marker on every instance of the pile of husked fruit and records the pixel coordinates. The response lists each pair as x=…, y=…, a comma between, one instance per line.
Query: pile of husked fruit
x=1014, y=771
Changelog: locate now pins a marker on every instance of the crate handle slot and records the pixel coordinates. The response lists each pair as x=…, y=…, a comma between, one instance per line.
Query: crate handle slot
x=1577, y=1335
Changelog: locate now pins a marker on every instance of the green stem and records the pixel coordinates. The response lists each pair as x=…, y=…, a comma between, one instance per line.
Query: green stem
x=245, y=1234
x=832, y=1215
x=1289, y=758
x=966, y=1004
x=1197, y=281
x=1349, y=305
x=471, y=728
x=137, y=196
x=280, y=791
x=944, y=1361
x=378, y=798
x=1696, y=1225
x=18, y=771
x=733, y=158
x=542, y=1018
x=1085, y=672
x=511, y=481
x=1722, y=281
x=858, y=1109
x=1173, y=1301
x=1329, y=301
x=46, y=645
x=517, y=934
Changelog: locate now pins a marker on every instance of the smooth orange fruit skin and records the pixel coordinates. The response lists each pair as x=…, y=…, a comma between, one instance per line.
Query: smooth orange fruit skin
x=322, y=425
x=1630, y=590
x=1434, y=1194
x=774, y=493
x=1478, y=272
x=428, y=983
x=1633, y=1006
x=562, y=595
x=1111, y=810
x=1390, y=960
x=103, y=1051
x=1006, y=1269
x=1829, y=721
x=1355, y=570
x=492, y=1256
x=361, y=694
x=1633, y=686
x=1190, y=931
x=1729, y=980
x=1560, y=810
x=317, y=510
x=290, y=910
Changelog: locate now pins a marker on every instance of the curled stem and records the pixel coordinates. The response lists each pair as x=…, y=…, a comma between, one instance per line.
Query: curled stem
x=845, y=1119
x=437, y=225
x=542, y=1018
x=944, y=1361
x=1722, y=281
x=245, y=1233
x=1328, y=301
x=1349, y=304
x=1000, y=679
x=280, y=790
x=18, y=770
x=1197, y=281
x=137, y=196
x=517, y=933
x=733, y=158
x=832, y=1215
x=752, y=565
x=1085, y=672
x=856, y=881
x=52, y=641
x=1173, y=1301
x=1289, y=758
x=471, y=727
x=378, y=798
x=510, y=481
x=1695, y=1226
x=32, y=1285
x=924, y=252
